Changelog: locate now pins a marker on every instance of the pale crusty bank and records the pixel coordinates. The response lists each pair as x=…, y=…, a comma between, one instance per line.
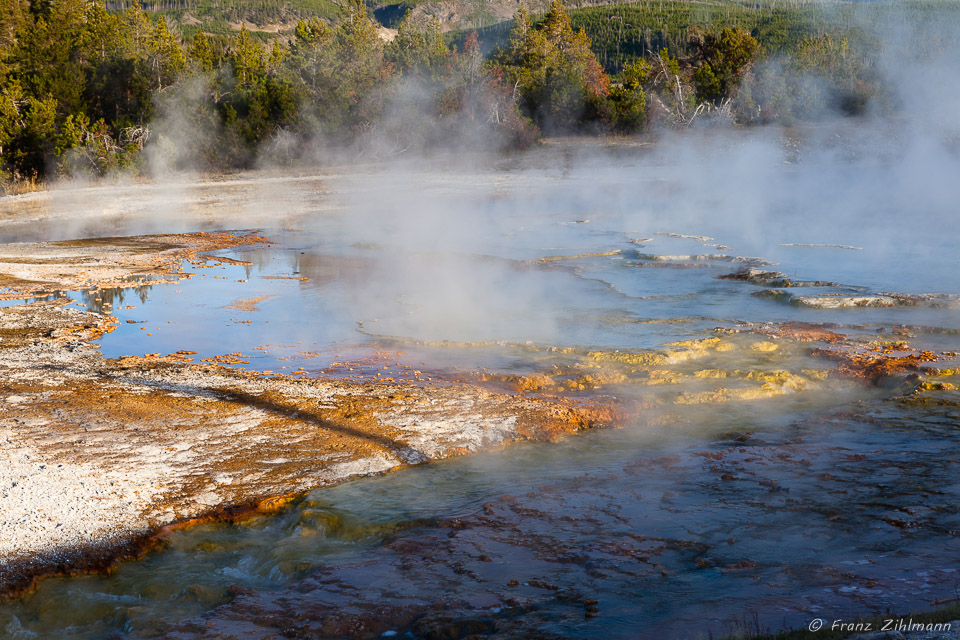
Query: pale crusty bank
x=99, y=455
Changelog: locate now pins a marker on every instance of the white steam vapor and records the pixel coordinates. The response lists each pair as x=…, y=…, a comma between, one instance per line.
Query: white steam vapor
x=445, y=232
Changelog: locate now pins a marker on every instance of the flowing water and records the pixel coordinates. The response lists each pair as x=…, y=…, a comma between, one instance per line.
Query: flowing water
x=825, y=500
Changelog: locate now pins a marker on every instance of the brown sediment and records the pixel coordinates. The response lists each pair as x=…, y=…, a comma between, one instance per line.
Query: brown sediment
x=104, y=454
x=179, y=356
x=875, y=363
x=300, y=278
x=678, y=374
x=228, y=358
x=578, y=256
x=22, y=575
x=233, y=261
x=13, y=285
x=803, y=332
x=32, y=269
x=532, y=382
x=247, y=304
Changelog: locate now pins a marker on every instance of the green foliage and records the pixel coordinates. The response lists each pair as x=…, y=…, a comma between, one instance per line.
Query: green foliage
x=10, y=98
x=823, y=77
x=311, y=32
x=418, y=46
x=724, y=57
x=624, y=32
x=201, y=53
x=247, y=59
x=137, y=30
x=13, y=15
x=221, y=17
x=628, y=97
x=95, y=150
x=560, y=83
x=669, y=63
x=27, y=131
x=709, y=88
x=340, y=72
x=164, y=55
x=81, y=86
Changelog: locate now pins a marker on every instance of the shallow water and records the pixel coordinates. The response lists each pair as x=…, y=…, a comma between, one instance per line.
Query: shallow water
x=831, y=501
x=318, y=297
x=672, y=534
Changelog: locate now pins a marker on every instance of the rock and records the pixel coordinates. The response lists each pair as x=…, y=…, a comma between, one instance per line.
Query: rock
x=771, y=279
x=887, y=300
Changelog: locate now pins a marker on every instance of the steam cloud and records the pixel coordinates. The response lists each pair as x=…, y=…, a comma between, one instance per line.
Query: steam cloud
x=449, y=229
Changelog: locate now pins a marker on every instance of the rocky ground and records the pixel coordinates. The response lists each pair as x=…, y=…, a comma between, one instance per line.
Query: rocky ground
x=99, y=455
x=100, y=458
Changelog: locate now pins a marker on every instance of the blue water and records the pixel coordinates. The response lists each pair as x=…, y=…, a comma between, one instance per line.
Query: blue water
x=832, y=503
x=324, y=294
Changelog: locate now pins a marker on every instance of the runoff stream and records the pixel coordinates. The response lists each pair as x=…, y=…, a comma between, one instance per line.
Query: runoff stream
x=713, y=512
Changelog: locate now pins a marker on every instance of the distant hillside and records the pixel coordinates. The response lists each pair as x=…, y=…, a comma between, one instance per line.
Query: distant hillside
x=268, y=19
x=620, y=31
x=265, y=19
x=653, y=21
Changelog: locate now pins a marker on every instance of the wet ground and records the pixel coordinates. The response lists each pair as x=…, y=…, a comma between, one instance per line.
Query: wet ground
x=775, y=460
x=627, y=533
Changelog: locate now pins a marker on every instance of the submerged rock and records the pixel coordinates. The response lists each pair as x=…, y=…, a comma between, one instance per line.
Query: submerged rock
x=703, y=257
x=771, y=279
x=885, y=300
x=100, y=454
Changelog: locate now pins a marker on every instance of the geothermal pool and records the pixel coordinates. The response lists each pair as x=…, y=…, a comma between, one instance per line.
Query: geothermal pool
x=754, y=490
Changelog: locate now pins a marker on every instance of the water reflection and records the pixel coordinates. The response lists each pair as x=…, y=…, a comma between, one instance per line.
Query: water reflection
x=601, y=535
x=819, y=497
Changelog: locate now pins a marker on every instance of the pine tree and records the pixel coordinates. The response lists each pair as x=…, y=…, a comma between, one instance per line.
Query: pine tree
x=165, y=55
x=202, y=53
x=560, y=82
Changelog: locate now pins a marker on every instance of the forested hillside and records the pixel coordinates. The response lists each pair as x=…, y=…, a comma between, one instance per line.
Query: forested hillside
x=88, y=88
x=264, y=19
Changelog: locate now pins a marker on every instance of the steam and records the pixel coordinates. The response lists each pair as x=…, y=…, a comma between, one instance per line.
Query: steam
x=448, y=229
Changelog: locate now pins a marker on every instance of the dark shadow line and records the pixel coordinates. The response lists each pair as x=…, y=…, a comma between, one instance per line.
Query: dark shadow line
x=257, y=402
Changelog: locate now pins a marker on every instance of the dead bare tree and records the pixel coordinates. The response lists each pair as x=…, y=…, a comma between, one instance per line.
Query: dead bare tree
x=676, y=86
x=724, y=110
x=135, y=136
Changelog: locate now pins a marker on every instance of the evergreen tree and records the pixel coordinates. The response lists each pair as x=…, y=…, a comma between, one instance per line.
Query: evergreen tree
x=165, y=56
x=201, y=52
x=725, y=58
x=560, y=83
x=418, y=46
